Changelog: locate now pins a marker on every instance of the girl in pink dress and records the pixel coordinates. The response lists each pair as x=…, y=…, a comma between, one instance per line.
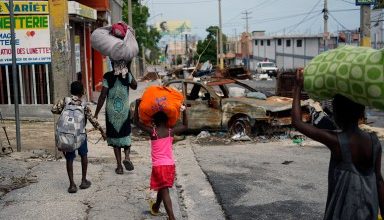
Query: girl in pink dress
x=163, y=163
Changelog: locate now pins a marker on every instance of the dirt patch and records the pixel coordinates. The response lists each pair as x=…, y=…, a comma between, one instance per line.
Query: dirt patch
x=34, y=135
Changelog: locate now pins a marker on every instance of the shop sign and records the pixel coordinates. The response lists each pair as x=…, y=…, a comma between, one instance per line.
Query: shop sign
x=365, y=2
x=32, y=39
x=25, y=7
x=76, y=8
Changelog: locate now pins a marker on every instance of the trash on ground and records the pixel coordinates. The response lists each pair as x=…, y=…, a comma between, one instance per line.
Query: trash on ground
x=298, y=141
x=241, y=137
x=203, y=134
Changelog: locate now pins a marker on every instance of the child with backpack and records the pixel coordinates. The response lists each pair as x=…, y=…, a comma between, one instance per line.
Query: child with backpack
x=163, y=163
x=70, y=132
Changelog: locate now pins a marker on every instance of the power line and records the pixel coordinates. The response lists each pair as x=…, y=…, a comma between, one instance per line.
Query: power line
x=306, y=16
x=297, y=24
x=338, y=21
x=248, y=9
x=285, y=17
x=344, y=10
x=352, y=3
x=182, y=3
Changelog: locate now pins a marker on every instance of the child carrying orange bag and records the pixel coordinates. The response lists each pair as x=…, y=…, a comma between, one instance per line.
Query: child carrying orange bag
x=160, y=98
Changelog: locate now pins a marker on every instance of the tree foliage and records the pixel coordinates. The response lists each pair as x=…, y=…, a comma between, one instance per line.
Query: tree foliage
x=210, y=42
x=146, y=36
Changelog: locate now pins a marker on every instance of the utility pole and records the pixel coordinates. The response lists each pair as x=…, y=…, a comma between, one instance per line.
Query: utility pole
x=246, y=18
x=61, y=51
x=246, y=13
x=221, y=39
x=325, y=16
x=217, y=46
x=14, y=76
x=130, y=23
x=143, y=57
x=365, y=24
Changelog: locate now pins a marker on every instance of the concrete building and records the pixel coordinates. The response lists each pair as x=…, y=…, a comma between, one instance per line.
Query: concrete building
x=54, y=54
x=288, y=51
x=377, y=28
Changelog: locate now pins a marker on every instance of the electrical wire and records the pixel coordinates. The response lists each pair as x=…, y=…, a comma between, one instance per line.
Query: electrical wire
x=305, y=17
x=182, y=3
x=338, y=22
x=294, y=25
x=352, y=3
x=284, y=17
x=249, y=9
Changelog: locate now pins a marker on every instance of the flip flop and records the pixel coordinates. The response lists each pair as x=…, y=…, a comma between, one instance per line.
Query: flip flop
x=85, y=185
x=153, y=212
x=128, y=165
x=119, y=170
x=72, y=189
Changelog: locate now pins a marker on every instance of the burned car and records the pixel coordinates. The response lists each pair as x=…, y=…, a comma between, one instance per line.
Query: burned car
x=228, y=104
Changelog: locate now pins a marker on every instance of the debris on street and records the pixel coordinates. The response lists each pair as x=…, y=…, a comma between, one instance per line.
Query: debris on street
x=203, y=134
x=241, y=137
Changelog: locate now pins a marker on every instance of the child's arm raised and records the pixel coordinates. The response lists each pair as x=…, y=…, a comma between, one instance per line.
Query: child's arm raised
x=137, y=122
x=325, y=137
x=182, y=128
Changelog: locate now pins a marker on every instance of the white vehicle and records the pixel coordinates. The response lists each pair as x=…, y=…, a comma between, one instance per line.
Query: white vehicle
x=267, y=68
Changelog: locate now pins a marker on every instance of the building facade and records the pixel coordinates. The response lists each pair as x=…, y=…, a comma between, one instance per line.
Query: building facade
x=377, y=28
x=288, y=52
x=36, y=84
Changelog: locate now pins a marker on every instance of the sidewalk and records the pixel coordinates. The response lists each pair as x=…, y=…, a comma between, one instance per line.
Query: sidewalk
x=111, y=196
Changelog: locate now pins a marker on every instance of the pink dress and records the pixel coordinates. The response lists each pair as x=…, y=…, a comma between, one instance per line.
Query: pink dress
x=163, y=163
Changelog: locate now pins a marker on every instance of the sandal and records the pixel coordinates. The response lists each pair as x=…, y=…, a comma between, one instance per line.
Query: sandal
x=153, y=212
x=72, y=189
x=119, y=170
x=85, y=185
x=128, y=165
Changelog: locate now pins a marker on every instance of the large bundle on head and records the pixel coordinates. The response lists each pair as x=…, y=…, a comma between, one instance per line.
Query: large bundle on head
x=118, y=42
x=160, y=98
x=354, y=72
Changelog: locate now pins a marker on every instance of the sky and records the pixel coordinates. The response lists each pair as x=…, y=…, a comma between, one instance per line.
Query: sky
x=272, y=16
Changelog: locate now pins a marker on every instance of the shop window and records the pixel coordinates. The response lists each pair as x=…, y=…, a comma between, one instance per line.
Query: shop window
x=288, y=43
x=299, y=43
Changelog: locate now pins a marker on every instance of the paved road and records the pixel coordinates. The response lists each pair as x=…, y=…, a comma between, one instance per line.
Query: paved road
x=251, y=181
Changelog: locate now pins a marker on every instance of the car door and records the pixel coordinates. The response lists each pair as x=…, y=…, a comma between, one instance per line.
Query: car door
x=203, y=107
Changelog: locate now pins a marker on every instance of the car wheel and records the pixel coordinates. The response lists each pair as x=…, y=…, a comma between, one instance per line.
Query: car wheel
x=240, y=126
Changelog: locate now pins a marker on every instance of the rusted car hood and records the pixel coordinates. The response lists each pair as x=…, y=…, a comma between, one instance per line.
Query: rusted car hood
x=272, y=104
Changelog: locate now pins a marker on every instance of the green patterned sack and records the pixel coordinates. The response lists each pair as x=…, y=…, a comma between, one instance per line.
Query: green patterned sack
x=355, y=72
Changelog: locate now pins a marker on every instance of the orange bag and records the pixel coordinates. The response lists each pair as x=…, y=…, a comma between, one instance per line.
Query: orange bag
x=160, y=98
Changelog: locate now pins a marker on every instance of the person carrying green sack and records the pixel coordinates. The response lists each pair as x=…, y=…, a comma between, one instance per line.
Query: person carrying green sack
x=355, y=183
x=354, y=72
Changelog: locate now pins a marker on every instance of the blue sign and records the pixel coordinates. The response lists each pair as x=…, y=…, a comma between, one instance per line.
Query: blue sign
x=365, y=2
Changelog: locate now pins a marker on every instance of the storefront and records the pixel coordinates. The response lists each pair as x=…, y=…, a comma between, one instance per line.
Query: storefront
x=33, y=53
x=81, y=20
